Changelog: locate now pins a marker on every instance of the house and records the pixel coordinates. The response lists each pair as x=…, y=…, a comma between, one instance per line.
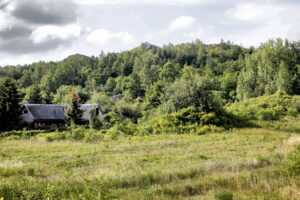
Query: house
x=51, y=115
x=88, y=108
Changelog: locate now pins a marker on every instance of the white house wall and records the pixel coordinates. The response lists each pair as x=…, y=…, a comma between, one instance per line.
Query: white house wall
x=27, y=118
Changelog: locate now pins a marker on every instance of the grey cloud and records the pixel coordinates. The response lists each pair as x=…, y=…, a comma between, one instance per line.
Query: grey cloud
x=3, y=4
x=45, y=11
x=16, y=31
x=23, y=46
x=27, y=16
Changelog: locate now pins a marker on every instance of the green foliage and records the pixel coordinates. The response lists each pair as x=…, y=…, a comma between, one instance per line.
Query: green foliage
x=131, y=84
x=34, y=95
x=78, y=133
x=169, y=72
x=154, y=94
x=268, y=70
x=74, y=112
x=186, y=120
x=129, y=110
x=103, y=100
x=24, y=134
x=10, y=105
x=95, y=122
x=63, y=96
x=245, y=162
x=223, y=195
x=292, y=165
x=272, y=107
x=196, y=91
x=121, y=129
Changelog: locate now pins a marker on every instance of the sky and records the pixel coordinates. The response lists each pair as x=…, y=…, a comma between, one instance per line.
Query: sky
x=51, y=30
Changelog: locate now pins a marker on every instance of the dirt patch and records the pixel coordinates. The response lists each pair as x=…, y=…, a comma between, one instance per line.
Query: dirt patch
x=293, y=140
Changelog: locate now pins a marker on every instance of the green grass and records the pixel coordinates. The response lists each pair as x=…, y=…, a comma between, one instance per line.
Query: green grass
x=244, y=162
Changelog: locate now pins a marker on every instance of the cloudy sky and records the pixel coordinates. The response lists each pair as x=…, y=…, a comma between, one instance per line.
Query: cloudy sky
x=33, y=30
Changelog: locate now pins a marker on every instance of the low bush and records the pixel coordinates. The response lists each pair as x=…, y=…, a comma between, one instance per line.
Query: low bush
x=24, y=134
x=122, y=129
x=187, y=120
x=223, y=195
x=292, y=165
x=271, y=107
x=79, y=133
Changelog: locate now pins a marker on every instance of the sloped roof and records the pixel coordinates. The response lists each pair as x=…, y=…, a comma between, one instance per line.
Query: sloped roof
x=53, y=112
x=88, y=106
x=47, y=112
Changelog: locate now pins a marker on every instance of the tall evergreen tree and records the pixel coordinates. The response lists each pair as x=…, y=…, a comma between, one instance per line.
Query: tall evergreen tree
x=34, y=95
x=10, y=105
x=74, y=112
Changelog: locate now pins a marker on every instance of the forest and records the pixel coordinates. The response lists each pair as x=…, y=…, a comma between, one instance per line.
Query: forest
x=188, y=121
x=174, y=88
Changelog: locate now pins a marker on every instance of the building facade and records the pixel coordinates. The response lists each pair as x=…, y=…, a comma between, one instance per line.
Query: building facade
x=53, y=116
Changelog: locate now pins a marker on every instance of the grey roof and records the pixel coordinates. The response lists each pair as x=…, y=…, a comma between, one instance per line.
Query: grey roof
x=47, y=112
x=53, y=112
x=88, y=106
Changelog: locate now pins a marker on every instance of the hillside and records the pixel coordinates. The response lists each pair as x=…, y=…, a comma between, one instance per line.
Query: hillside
x=150, y=80
x=191, y=121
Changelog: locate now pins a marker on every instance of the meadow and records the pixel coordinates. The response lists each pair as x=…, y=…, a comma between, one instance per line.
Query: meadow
x=243, y=163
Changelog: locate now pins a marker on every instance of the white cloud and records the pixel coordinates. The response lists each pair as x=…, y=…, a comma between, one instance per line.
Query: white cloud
x=204, y=32
x=183, y=29
x=256, y=12
x=49, y=32
x=4, y=20
x=149, y=2
x=105, y=37
x=269, y=20
x=182, y=23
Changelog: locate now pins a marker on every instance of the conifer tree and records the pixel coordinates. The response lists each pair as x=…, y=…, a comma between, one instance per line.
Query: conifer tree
x=34, y=95
x=10, y=105
x=74, y=112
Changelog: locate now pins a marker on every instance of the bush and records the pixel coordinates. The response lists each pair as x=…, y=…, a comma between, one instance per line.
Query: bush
x=93, y=136
x=78, y=134
x=122, y=129
x=292, y=165
x=186, y=120
x=30, y=172
x=95, y=122
x=207, y=129
x=21, y=134
x=271, y=107
x=223, y=195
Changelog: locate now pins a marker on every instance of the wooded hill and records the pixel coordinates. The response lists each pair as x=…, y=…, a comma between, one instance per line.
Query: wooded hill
x=151, y=80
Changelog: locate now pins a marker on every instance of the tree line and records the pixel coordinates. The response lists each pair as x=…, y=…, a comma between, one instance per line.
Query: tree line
x=133, y=85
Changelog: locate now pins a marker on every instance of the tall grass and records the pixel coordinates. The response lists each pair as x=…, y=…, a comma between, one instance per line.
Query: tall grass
x=244, y=162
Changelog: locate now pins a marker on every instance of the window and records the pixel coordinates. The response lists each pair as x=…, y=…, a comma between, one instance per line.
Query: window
x=25, y=111
x=97, y=111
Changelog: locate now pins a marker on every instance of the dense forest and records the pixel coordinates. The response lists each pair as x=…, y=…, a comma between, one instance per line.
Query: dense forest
x=173, y=88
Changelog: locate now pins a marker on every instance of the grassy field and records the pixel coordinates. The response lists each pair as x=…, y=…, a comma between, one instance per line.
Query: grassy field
x=244, y=162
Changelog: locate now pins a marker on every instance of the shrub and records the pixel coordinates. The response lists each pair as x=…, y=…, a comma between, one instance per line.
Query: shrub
x=292, y=165
x=271, y=107
x=186, y=120
x=93, y=136
x=95, y=122
x=30, y=172
x=24, y=134
x=122, y=129
x=223, y=195
x=207, y=129
x=77, y=133
x=56, y=136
